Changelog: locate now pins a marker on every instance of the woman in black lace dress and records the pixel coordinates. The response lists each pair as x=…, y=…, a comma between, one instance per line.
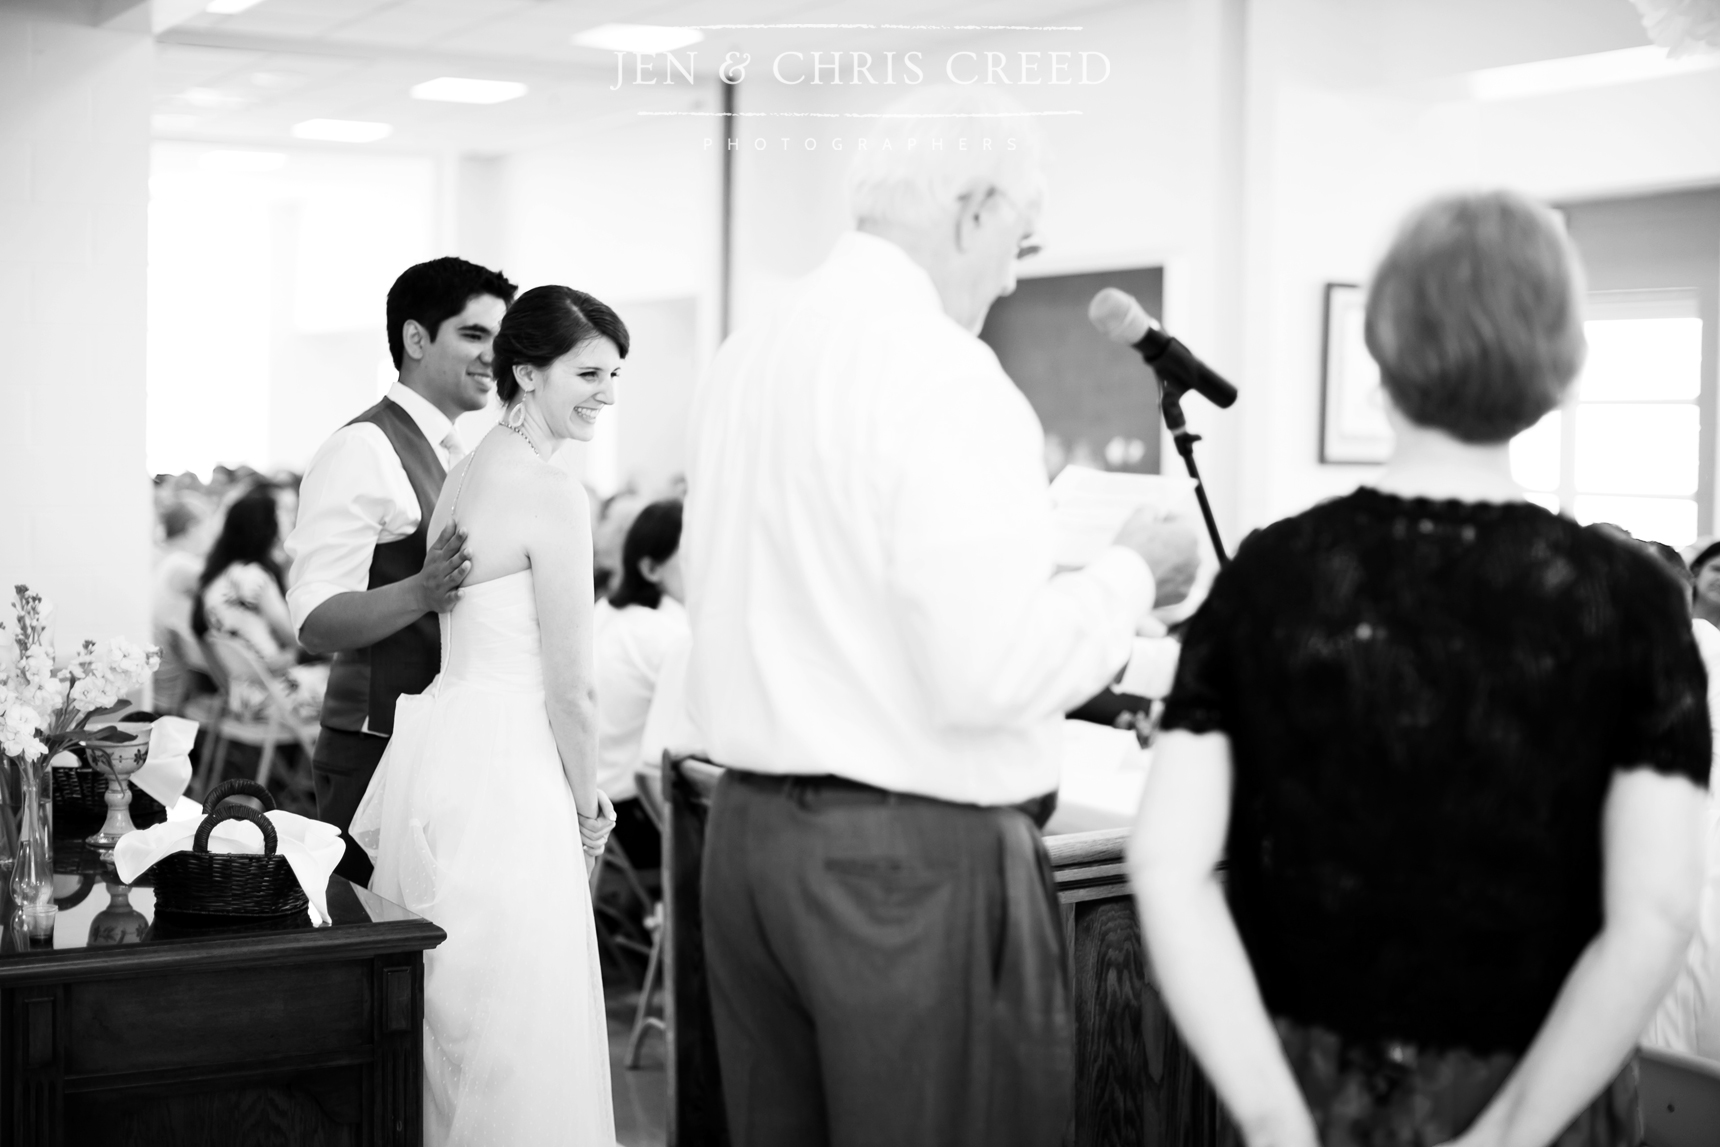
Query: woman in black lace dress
x=1451, y=748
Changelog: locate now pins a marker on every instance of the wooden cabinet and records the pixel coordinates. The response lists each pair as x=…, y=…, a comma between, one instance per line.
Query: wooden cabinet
x=296, y=1036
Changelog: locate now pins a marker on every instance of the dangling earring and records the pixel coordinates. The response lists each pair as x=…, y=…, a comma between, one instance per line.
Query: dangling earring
x=517, y=415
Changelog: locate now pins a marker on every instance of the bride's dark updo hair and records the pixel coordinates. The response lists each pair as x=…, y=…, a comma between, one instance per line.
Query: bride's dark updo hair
x=544, y=324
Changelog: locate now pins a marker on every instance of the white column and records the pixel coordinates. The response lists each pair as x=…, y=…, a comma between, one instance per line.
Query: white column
x=75, y=508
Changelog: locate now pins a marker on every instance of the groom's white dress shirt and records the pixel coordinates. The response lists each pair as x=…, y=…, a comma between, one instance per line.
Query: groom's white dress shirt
x=354, y=497
x=868, y=551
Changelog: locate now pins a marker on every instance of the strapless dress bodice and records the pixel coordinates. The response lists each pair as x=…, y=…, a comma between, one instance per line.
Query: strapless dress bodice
x=490, y=637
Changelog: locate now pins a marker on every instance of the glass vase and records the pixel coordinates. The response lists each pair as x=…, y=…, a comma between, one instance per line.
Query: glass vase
x=33, y=866
x=8, y=815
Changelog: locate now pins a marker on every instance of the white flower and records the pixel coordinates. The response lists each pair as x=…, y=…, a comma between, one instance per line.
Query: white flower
x=36, y=683
x=19, y=724
x=127, y=660
x=84, y=660
x=96, y=691
x=103, y=673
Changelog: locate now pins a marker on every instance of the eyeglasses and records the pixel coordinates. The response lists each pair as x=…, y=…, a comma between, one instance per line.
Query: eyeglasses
x=1026, y=248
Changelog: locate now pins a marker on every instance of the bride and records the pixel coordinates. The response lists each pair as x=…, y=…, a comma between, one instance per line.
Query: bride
x=486, y=799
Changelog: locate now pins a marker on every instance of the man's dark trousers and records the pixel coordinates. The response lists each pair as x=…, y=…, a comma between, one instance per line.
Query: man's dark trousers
x=885, y=970
x=341, y=768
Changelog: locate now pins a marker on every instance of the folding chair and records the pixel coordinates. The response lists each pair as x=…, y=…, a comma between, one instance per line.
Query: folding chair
x=649, y=784
x=1680, y=1098
x=231, y=662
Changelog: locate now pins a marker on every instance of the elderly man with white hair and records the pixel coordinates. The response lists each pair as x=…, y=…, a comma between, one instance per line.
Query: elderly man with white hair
x=882, y=652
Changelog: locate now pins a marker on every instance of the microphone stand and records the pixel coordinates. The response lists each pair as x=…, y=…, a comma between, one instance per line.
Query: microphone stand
x=1170, y=402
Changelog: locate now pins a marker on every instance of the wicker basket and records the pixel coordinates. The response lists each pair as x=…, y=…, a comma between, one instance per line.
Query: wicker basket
x=80, y=802
x=192, y=926
x=204, y=886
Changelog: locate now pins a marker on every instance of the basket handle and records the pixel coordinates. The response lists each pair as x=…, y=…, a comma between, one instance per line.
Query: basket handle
x=235, y=812
x=238, y=786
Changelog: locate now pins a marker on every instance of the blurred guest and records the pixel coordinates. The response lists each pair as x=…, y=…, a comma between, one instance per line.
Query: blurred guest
x=1688, y=1019
x=1453, y=749
x=241, y=595
x=178, y=562
x=286, y=487
x=637, y=626
x=1706, y=570
x=616, y=518
x=883, y=651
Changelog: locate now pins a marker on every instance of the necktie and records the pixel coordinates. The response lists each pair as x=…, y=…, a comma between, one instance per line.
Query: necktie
x=451, y=443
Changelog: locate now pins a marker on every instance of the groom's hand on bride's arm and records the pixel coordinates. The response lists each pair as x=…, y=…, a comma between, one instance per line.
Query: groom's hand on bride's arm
x=361, y=618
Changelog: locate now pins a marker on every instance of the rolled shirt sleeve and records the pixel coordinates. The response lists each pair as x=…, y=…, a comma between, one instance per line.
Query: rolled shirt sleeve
x=354, y=497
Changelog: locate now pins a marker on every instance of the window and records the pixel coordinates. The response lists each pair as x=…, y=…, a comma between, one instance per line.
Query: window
x=1627, y=447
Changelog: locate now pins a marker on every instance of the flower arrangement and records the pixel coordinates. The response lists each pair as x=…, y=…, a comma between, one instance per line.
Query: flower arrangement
x=45, y=709
x=1684, y=27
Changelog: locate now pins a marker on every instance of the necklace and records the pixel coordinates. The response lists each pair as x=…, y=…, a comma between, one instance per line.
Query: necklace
x=521, y=431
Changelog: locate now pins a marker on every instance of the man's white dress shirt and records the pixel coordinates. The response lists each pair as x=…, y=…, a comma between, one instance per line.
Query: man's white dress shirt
x=868, y=550
x=355, y=497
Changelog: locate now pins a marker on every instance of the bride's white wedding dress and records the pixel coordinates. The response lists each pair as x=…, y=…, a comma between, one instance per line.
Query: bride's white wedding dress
x=471, y=824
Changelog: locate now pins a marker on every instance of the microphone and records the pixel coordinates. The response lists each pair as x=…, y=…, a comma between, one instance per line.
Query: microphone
x=1121, y=319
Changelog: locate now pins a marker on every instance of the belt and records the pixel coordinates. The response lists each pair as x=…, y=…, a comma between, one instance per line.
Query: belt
x=1037, y=809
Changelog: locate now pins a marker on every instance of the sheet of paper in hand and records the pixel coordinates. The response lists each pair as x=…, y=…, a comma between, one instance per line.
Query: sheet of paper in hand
x=1090, y=506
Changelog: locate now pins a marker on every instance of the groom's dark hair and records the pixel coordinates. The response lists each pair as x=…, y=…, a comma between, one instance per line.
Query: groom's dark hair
x=432, y=293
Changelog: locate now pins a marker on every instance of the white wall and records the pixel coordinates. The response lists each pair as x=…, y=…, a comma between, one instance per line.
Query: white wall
x=1258, y=151
x=269, y=273
x=74, y=168
x=1148, y=174
x=627, y=211
x=1336, y=157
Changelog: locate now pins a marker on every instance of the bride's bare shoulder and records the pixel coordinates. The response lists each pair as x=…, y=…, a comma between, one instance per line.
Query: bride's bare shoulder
x=552, y=495
x=553, y=520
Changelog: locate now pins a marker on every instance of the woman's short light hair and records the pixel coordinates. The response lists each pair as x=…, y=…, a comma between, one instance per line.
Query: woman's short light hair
x=938, y=144
x=1475, y=315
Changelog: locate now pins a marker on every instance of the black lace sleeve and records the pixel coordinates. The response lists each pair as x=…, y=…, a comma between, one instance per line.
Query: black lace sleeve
x=1203, y=690
x=1666, y=687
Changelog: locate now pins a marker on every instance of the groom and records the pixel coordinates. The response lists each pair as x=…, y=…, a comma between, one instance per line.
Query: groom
x=367, y=582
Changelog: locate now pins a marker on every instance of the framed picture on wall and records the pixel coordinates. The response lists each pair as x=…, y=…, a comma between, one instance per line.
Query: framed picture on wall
x=1353, y=427
x=1098, y=405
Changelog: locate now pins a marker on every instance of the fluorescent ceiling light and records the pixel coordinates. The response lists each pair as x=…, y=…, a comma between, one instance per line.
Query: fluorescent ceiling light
x=212, y=98
x=646, y=39
x=454, y=90
x=229, y=7
x=1573, y=73
x=343, y=130
x=242, y=162
x=276, y=80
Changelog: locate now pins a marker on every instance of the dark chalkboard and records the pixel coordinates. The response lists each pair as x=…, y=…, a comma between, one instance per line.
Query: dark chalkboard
x=1097, y=400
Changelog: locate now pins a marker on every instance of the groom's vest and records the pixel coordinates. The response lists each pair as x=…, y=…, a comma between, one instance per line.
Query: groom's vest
x=363, y=684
